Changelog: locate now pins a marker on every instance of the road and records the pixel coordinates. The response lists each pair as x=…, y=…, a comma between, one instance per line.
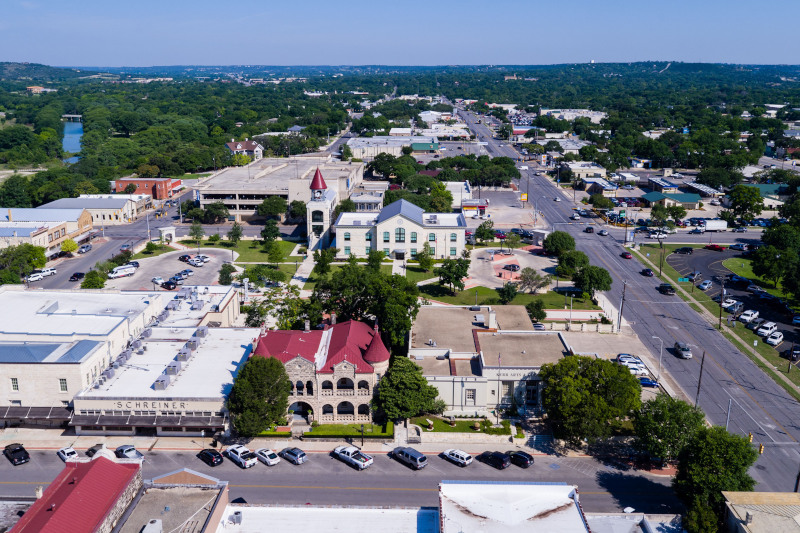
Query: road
x=758, y=405
x=324, y=480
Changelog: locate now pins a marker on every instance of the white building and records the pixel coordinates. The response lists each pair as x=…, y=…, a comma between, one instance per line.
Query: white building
x=400, y=230
x=107, y=211
x=584, y=169
x=246, y=147
x=363, y=147
x=571, y=114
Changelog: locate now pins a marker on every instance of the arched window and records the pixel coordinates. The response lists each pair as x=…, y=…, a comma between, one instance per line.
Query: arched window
x=345, y=384
x=345, y=408
x=413, y=236
x=327, y=409
x=316, y=216
x=363, y=385
x=347, y=236
x=432, y=237
x=309, y=388
x=453, y=237
x=363, y=409
x=400, y=235
x=299, y=388
x=327, y=385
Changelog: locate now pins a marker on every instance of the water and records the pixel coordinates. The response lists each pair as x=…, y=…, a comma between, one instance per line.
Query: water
x=73, y=131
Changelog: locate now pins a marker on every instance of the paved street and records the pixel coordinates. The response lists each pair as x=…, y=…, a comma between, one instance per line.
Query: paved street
x=758, y=404
x=325, y=480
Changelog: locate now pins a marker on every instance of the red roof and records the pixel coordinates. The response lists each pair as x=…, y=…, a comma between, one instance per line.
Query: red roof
x=318, y=182
x=79, y=498
x=377, y=352
x=348, y=341
x=238, y=146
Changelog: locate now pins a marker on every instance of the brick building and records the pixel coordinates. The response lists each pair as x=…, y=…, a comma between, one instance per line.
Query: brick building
x=158, y=188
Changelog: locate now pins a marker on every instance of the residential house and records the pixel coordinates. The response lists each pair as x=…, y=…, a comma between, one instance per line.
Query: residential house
x=246, y=147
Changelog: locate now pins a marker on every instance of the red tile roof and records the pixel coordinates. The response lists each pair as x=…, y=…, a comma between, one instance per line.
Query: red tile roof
x=79, y=498
x=377, y=352
x=348, y=341
x=318, y=182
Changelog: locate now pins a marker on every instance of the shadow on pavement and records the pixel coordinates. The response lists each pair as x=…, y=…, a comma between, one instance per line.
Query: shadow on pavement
x=643, y=493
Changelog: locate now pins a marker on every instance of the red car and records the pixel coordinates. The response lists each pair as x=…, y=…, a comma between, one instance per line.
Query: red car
x=626, y=255
x=715, y=247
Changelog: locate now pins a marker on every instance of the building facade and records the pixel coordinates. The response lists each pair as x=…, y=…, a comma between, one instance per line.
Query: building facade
x=245, y=147
x=158, y=188
x=60, y=224
x=109, y=211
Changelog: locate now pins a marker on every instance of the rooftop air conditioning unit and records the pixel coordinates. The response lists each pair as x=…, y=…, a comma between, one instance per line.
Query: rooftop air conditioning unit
x=115, y=364
x=153, y=526
x=137, y=344
x=147, y=332
x=109, y=373
x=162, y=382
x=202, y=331
x=173, y=368
x=236, y=517
x=184, y=355
x=192, y=345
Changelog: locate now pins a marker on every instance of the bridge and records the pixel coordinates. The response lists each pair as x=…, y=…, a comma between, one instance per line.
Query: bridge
x=72, y=118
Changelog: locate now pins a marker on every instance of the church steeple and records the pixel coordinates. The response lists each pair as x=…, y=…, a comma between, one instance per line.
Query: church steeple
x=318, y=186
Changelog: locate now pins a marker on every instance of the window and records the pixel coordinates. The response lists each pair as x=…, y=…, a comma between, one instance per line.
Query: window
x=64, y=403
x=347, y=251
x=453, y=237
x=452, y=251
x=400, y=235
x=368, y=236
x=368, y=249
x=385, y=236
x=413, y=253
x=62, y=385
x=413, y=236
x=432, y=237
x=506, y=390
x=316, y=216
x=14, y=384
x=347, y=236
x=386, y=252
x=470, y=396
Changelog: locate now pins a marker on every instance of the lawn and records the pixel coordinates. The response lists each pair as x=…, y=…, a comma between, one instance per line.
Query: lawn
x=743, y=267
x=415, y=274
x=249, y=251
x=351, y=430
x=314, y=277
x=486, y=296
x=461, y=425
x=162, y=249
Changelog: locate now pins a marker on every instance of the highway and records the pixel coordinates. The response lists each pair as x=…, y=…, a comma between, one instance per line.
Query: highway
x=758, y=405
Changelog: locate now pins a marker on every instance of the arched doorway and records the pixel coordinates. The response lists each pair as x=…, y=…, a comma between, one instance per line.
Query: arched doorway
x=345, y=408
x=302, y=412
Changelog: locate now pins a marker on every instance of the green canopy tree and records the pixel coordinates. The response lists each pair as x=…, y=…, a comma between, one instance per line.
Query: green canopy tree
x=272, y=206
x=196, y=231
x=235, y=233
x=452, y=273
x=745, y=202
x=215, y=212
x=271, y=231
x=345, y=206
x=559, y=242
x=297, y=209
x=507, y=292
x=592, y=278
x=531, y=281
x=323, y=259
x=93, y=280
x=260, y=395
x=774, y=264
x=601, y=202
x=68, y=246
x=425, y=257
x=404, y=392
x=583, y=395
x=485, y=232
x=570, y=262
x=536, y=310
x=664, y=426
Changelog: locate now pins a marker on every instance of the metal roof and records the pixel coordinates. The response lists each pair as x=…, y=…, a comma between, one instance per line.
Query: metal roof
x=19, y=352
x=404, y=208
x=26, y=214
x=86, y=203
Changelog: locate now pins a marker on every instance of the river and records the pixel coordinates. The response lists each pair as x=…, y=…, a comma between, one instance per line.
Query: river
x=73, y=131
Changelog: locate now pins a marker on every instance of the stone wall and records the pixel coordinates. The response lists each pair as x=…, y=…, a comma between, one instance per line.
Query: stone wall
x=121, y=505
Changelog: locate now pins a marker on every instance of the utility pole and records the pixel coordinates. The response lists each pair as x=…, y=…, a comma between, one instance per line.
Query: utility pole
x=700, y=380
x=721, y=298
x=621, y=304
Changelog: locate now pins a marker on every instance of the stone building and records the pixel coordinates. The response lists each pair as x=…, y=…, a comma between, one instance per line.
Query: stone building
x=333, y=371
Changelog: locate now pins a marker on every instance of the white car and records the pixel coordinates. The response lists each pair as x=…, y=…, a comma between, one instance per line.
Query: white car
x=203, y=258
x=267, y=456
x=36, y=276
x=775, y=339
x=657, y=236
x=557, y=199
x=728, y=303
x=49, y=272
x=637, y=370
x=67, y=454
x=767, y=329
x=158, y=280
x=195, y=262
x=748, y=316
x=575, y=216
x=459, y=457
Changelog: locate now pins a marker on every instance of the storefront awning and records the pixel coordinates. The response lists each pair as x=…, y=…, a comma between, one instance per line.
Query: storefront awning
x=35, y=413
x=149, y=421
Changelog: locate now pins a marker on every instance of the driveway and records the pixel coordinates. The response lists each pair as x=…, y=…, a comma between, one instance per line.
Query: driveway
x=489, y=270
x=167, y=265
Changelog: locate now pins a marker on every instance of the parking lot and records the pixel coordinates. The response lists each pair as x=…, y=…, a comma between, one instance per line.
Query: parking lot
x=709, y=264
x=167, y=265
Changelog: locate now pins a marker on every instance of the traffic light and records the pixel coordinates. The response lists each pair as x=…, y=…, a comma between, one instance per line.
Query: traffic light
x=749, y=437
x=760, y=449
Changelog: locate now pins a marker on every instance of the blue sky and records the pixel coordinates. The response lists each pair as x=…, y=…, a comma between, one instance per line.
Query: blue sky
x=406, y=32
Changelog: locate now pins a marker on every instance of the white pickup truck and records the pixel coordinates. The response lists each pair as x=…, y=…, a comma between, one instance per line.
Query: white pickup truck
x=354, y=456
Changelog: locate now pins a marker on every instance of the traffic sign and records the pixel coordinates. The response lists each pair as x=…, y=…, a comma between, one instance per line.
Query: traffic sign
x=683, y=280
x=523, y=197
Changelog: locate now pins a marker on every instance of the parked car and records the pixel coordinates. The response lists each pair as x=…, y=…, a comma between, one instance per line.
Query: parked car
x=210, y=457
x=158, y=280
x=657, y=236
x=728, y=303
x=36, y=276
x=697, y=231
x=94, y=449
x=704, y=286
x=176, y=280
x=413, y=458
x=775, y=339
x=521, y=459
x=512, y=268
x=714, y=247
x=748, y=316
x=796, y=320
x=588, y=229
x=134, y=264
x=767, y=329
x=77, y=276
x=184, y=258
x=627, y=357
x=353, y=456
x=755, y=324
x=738, y=246
x=648, y=272
x=125, y=248
x=685, y=250
x=539, y=327
x=267, y=456
x=626, y=255
x=557, y=199
x=754, y=289
x=695, y=276
x=85, y=248
x=793, y=353
x=241, y=455
x=683, y=350
x=195, y=262
x=16, y=453
x=499, y=460
x=461, y=458
x=602, y=233
x=648, y=382
x=169, y=285
x=128, y=451
x=67, y=453
x=295, y=456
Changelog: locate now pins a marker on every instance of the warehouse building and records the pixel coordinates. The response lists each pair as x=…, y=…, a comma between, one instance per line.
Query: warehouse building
x=110, y=211
x=364, y=147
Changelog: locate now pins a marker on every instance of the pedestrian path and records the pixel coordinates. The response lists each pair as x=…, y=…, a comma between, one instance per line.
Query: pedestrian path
x=399, y=267
x=303, y=272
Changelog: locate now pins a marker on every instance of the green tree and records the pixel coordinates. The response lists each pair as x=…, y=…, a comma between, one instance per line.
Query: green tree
x=226, y=274
x=404, y=392
x=571, y=262
x=130, y=188
x=592, y=278
x=240, y=160
x=196, y=231
x=536, y=310
x=215, y=212
x=375, y=260
x=659, y=214
x=272, y=206
x=93, y=280
x=235, y=234
x=452, y=273
x=274, y=253
x=150, y=248
x=214, y=239
x=773, y=264
x=297, y=209
x=583, y=395
x=558, y=242
x=676, y=212
x=601, y=202
x=407, y=150
x=745, y=202
x=712, y=462
x=21, y=260
x=425, y=257
x=271, y=231
x=260, y=395
x=197, y=214
x=345, y=206
x=485, y=232
x=701, y=518
x=68, y=246
x=664, y=426
x=323, y=259
x=531, y=281
x=346, y=152
x=507, y=292
x=512, y=240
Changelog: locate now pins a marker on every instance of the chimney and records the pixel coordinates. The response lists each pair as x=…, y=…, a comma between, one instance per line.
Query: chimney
x=307, y=326
x=233, y=140
x=333, y=318
x=39, y=492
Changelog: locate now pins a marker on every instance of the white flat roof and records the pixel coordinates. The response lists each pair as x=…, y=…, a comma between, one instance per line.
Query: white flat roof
x=357, y=219
x=208, y=373
x=181, y=314
x=386, y=140
x=288, y=519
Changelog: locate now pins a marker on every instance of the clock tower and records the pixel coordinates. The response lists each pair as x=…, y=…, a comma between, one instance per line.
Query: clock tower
x=319, y=213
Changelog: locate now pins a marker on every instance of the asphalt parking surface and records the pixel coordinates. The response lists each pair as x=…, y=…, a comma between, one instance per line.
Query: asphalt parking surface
x=167, y=265
x=709, y=263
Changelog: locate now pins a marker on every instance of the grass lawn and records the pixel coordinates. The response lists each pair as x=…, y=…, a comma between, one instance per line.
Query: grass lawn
x=416, y=274
x=249, y=251
x=314, y=277
x=162, y=249
x=352, y=430
x=742, y=266
x=461, y=425
x=552, y=300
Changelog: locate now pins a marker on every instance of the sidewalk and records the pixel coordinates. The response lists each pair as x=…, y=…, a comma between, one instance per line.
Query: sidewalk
x=399, y=267
x=303, y=272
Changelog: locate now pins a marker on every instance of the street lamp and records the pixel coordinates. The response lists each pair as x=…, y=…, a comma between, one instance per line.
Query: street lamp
x=660, y=353
x=203, y=438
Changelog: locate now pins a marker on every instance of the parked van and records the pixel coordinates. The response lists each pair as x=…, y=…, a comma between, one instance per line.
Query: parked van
x=411, y=457
x=122, y=271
